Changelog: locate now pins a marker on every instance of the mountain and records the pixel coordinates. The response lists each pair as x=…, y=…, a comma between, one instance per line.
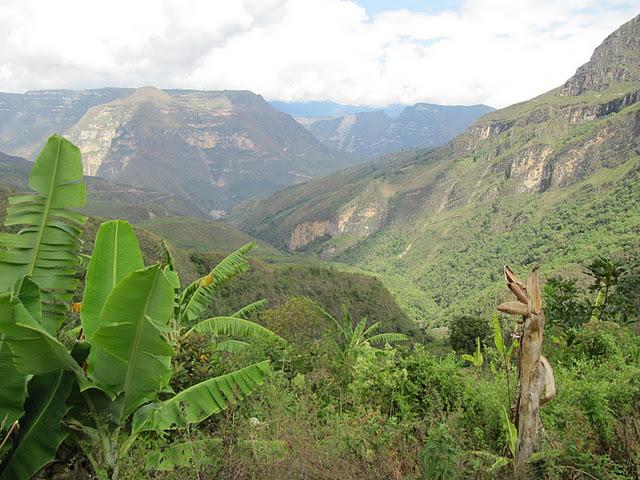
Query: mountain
x=358, y=133
x=554, y=180
x=314, y=110
x=27, y=120
x=371, y=134
x=214, y=149
x=105, y=198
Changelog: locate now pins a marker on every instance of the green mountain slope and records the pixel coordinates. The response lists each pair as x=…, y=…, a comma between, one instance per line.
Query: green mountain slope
x=199, y=235
x=365, y=295
x=554, y=180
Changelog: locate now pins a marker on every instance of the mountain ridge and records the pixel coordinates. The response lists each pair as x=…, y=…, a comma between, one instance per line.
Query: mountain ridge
x=417, y=221
x=215, y=148
x=374, y=133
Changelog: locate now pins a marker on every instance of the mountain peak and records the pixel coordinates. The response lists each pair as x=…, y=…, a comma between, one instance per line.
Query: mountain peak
x=617, y=59
x=149, y=94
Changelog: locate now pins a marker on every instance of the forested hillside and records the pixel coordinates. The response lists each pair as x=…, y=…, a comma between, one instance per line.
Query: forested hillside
x=542, y=181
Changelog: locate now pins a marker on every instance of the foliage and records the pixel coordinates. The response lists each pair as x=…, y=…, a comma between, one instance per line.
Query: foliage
x=477, y=359
x=119, y=369
x=355, y=336
x=564, y=308
x=465, y=329
x=366, y=295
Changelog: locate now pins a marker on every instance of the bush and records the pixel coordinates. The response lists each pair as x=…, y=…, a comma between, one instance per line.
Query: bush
x=463, y=331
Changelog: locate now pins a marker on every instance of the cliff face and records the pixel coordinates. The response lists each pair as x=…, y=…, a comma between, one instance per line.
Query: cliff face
x=213, y=148
x=581, y=137
x=26, y=120
x=615, y=60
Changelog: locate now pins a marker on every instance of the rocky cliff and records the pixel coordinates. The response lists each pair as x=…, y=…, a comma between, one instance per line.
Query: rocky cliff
x=212, y=148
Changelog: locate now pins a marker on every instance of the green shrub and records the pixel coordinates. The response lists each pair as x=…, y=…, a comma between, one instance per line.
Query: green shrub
x=463, y=331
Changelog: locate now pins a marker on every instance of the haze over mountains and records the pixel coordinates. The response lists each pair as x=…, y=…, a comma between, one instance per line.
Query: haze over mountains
x=553, y=180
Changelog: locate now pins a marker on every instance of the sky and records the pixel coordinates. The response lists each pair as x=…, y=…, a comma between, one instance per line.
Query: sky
x=365, y=52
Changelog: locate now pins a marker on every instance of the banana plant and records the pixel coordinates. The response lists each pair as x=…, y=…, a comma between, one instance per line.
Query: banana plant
x=477, y=359
x=355, y=337
x=47, y=246
x=231, y=332
x=505, y=354
x=112, y=386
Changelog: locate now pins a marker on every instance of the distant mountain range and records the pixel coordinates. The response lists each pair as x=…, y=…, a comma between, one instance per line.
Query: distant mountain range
x=554, y=180
x=314, y=110
x=374, y=133
x=370, y=132
x=212, y=148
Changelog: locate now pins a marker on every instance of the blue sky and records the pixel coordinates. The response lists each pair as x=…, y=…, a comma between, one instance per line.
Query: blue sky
x=434, y=6
x=362, y=52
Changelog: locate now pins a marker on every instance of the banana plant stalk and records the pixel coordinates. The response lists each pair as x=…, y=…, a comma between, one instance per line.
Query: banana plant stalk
x=536, y=384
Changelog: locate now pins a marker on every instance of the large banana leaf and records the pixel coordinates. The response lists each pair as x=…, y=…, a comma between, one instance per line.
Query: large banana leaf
x=129, y=353
x=196, y=297
x=199, y=402
x=13, y=387
x=233, y=327
x=13, y=384
x=116, y=254
x=231, y=346
x=40, y=430
x=47, y=246
x=35, y=351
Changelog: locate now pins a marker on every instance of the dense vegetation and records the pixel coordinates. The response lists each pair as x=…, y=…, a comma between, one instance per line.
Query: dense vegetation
x=92, y=394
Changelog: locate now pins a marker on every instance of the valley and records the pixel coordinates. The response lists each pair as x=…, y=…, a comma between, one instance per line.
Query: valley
x=431, y=224
x=366, y=273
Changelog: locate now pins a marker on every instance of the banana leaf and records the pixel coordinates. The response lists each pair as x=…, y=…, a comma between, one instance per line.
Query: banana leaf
x=48, y=245
x=116, y=254
x=40, y=432
x=129, y=353
x=200, y=401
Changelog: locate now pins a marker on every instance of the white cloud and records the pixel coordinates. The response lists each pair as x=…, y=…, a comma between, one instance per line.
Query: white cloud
x=489, y=51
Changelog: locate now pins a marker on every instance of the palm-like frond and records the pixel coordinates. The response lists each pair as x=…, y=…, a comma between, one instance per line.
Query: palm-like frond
x=247, y=310
x=233, y=327
x=357, y=337
x=48, y=245
x=195, y=299
x=384, y=338
x=200, y=401
x=341, y=329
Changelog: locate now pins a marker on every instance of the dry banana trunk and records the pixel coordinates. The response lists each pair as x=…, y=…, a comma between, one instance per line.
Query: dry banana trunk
x=536, y=384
